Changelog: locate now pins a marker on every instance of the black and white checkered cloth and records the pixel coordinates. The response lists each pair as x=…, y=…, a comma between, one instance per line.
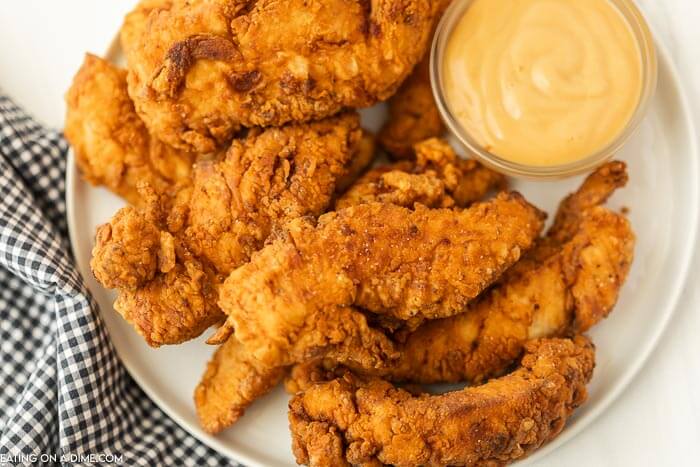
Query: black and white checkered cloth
x=64, y=395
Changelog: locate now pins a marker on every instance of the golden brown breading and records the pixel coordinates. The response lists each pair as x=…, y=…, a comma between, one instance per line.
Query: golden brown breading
x=436, y=178
x=361, y=160
x=353, y=421
x=304, y=375
x=594, y=190
x=175, y=306
x=136, y=24
x=407, y=264
x=232, y=381
x=112, y=146
x=413, y=115
x=265, y=180
x=133, y=259
x=164, y=291
x=566, y=284
x=206, y=67
x=568, y=292
x=371, y=188
x=235, y=378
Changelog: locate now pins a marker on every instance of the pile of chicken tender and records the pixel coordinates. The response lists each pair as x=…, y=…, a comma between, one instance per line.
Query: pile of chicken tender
x=354, y=268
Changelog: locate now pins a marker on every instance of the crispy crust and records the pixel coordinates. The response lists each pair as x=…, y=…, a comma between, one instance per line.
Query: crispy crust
x=355, y=421
x=205, y=68
x=380, y=257
x=232, y=381
x=566, y=284
x=413, y=115
x=362, y=159
x=111, y=143
x=167, y=258
x=437, y=178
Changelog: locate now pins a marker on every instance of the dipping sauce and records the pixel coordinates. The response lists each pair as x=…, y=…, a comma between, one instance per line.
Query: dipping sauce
x=543, y=82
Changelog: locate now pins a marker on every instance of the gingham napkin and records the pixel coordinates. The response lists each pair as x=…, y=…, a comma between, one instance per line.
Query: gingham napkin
x=65, y=398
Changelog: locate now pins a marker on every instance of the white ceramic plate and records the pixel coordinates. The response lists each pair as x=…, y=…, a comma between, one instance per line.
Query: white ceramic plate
x=662, y=197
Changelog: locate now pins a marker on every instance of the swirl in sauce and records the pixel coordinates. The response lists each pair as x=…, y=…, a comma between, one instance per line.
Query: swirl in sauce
x=543, y=82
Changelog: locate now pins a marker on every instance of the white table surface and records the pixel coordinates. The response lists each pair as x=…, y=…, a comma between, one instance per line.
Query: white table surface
x=655, y=422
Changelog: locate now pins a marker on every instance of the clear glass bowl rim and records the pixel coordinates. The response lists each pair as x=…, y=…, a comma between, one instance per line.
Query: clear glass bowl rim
x=645, y=41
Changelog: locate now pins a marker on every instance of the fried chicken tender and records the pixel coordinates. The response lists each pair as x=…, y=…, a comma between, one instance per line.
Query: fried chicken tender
x=355, y=421
x=203, y=68
x=112, y=146
x=232, y=381
x=413, y=114
x=166, y=263
x=235, y=378
x=595, y=190
x=215, y=417
x=164, y=291
x=362, y=159
x=438, y=156
x=568, y=292
x=566, y=284
x=136, y=24
x=133, y=259
x=436, y=178
x=406, y=264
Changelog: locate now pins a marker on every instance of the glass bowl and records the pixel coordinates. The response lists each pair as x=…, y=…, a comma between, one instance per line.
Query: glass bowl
x=645, y=43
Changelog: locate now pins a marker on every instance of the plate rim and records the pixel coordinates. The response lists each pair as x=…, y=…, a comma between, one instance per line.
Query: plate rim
x=570, y=432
